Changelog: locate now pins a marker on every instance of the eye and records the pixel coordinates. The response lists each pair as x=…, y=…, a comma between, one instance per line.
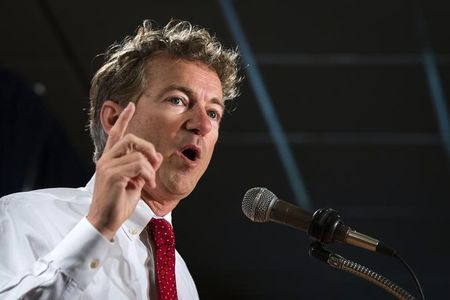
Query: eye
x=176, y=101
x=214, y=115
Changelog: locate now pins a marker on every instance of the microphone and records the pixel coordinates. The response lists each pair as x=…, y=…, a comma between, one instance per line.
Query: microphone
x=325, y=225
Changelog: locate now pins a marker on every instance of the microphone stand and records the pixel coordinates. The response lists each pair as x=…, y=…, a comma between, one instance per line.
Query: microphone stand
x=317, y=250
x=327, y=226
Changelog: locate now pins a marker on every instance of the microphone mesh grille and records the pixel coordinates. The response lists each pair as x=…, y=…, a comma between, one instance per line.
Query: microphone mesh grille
x=256, y=204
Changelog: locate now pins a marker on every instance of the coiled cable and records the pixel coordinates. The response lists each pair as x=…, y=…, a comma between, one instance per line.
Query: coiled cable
x=363, y=272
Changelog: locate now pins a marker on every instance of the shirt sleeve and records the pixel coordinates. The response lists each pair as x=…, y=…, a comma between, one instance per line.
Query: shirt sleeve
x=64, y=273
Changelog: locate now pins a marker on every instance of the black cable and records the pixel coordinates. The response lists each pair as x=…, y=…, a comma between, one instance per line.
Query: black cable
x=410, y=270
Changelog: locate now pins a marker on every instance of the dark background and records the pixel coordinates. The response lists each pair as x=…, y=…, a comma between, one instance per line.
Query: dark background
x=360, y=89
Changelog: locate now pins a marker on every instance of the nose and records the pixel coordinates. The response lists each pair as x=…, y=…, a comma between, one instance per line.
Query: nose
x=199, y=122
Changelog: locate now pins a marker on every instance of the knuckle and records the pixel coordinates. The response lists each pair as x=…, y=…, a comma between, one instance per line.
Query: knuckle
x=142, y=159
x=129, y=137
x=150, y=146
x=134, y=159
x=138, y=157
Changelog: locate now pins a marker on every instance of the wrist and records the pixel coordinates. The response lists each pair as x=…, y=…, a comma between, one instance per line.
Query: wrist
x=102, y=227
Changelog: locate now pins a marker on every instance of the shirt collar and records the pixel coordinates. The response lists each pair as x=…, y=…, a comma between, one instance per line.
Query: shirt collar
x=139, y=219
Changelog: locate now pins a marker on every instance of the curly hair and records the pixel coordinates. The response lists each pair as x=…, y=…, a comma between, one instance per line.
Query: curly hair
x=122, y=78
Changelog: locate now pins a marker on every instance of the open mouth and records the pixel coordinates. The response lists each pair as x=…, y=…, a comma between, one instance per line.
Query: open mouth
x=191, y=153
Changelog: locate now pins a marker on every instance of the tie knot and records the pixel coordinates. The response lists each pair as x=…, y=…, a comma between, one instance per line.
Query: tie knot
x=162, y=232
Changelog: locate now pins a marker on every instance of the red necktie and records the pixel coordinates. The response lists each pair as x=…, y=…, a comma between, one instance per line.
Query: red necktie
x=164, y=239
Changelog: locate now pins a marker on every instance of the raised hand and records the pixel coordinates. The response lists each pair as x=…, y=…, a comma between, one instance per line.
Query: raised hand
x=127, y=164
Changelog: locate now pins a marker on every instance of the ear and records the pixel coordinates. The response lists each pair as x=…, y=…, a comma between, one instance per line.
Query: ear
x=109, y=114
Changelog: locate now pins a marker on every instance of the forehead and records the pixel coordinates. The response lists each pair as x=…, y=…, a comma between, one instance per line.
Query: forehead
x=164, y=71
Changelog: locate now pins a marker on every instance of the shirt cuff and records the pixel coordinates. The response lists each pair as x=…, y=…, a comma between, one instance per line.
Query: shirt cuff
x=81, y=253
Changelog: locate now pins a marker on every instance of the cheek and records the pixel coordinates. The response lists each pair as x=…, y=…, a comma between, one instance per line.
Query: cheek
x=211, y=146
x=146, y=128
x=136, y=125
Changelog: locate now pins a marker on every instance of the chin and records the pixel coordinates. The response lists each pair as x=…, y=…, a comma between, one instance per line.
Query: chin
x=175, y=187
x=180, y=188
x=175, y=184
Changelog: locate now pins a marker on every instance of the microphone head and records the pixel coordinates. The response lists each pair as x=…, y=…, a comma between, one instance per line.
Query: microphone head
x=257, y=204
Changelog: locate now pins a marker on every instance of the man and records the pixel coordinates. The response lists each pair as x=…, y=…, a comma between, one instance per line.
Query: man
x=156, y=106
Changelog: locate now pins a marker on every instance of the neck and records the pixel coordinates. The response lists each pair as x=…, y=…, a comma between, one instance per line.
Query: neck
x=162, y=206
x=161, y=209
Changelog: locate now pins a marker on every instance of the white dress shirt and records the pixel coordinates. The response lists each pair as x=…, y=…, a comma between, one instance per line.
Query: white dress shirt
x=48, y=250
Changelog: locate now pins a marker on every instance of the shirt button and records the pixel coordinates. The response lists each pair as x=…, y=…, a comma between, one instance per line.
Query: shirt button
x=94, y=264
x=133, y=231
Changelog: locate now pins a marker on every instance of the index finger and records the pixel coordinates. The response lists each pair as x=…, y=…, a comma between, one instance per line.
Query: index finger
x=118, y=130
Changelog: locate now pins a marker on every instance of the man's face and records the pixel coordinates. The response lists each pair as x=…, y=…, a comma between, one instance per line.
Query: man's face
x=179, y=113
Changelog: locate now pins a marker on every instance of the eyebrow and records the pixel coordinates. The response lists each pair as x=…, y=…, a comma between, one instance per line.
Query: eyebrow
x=191, y=93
